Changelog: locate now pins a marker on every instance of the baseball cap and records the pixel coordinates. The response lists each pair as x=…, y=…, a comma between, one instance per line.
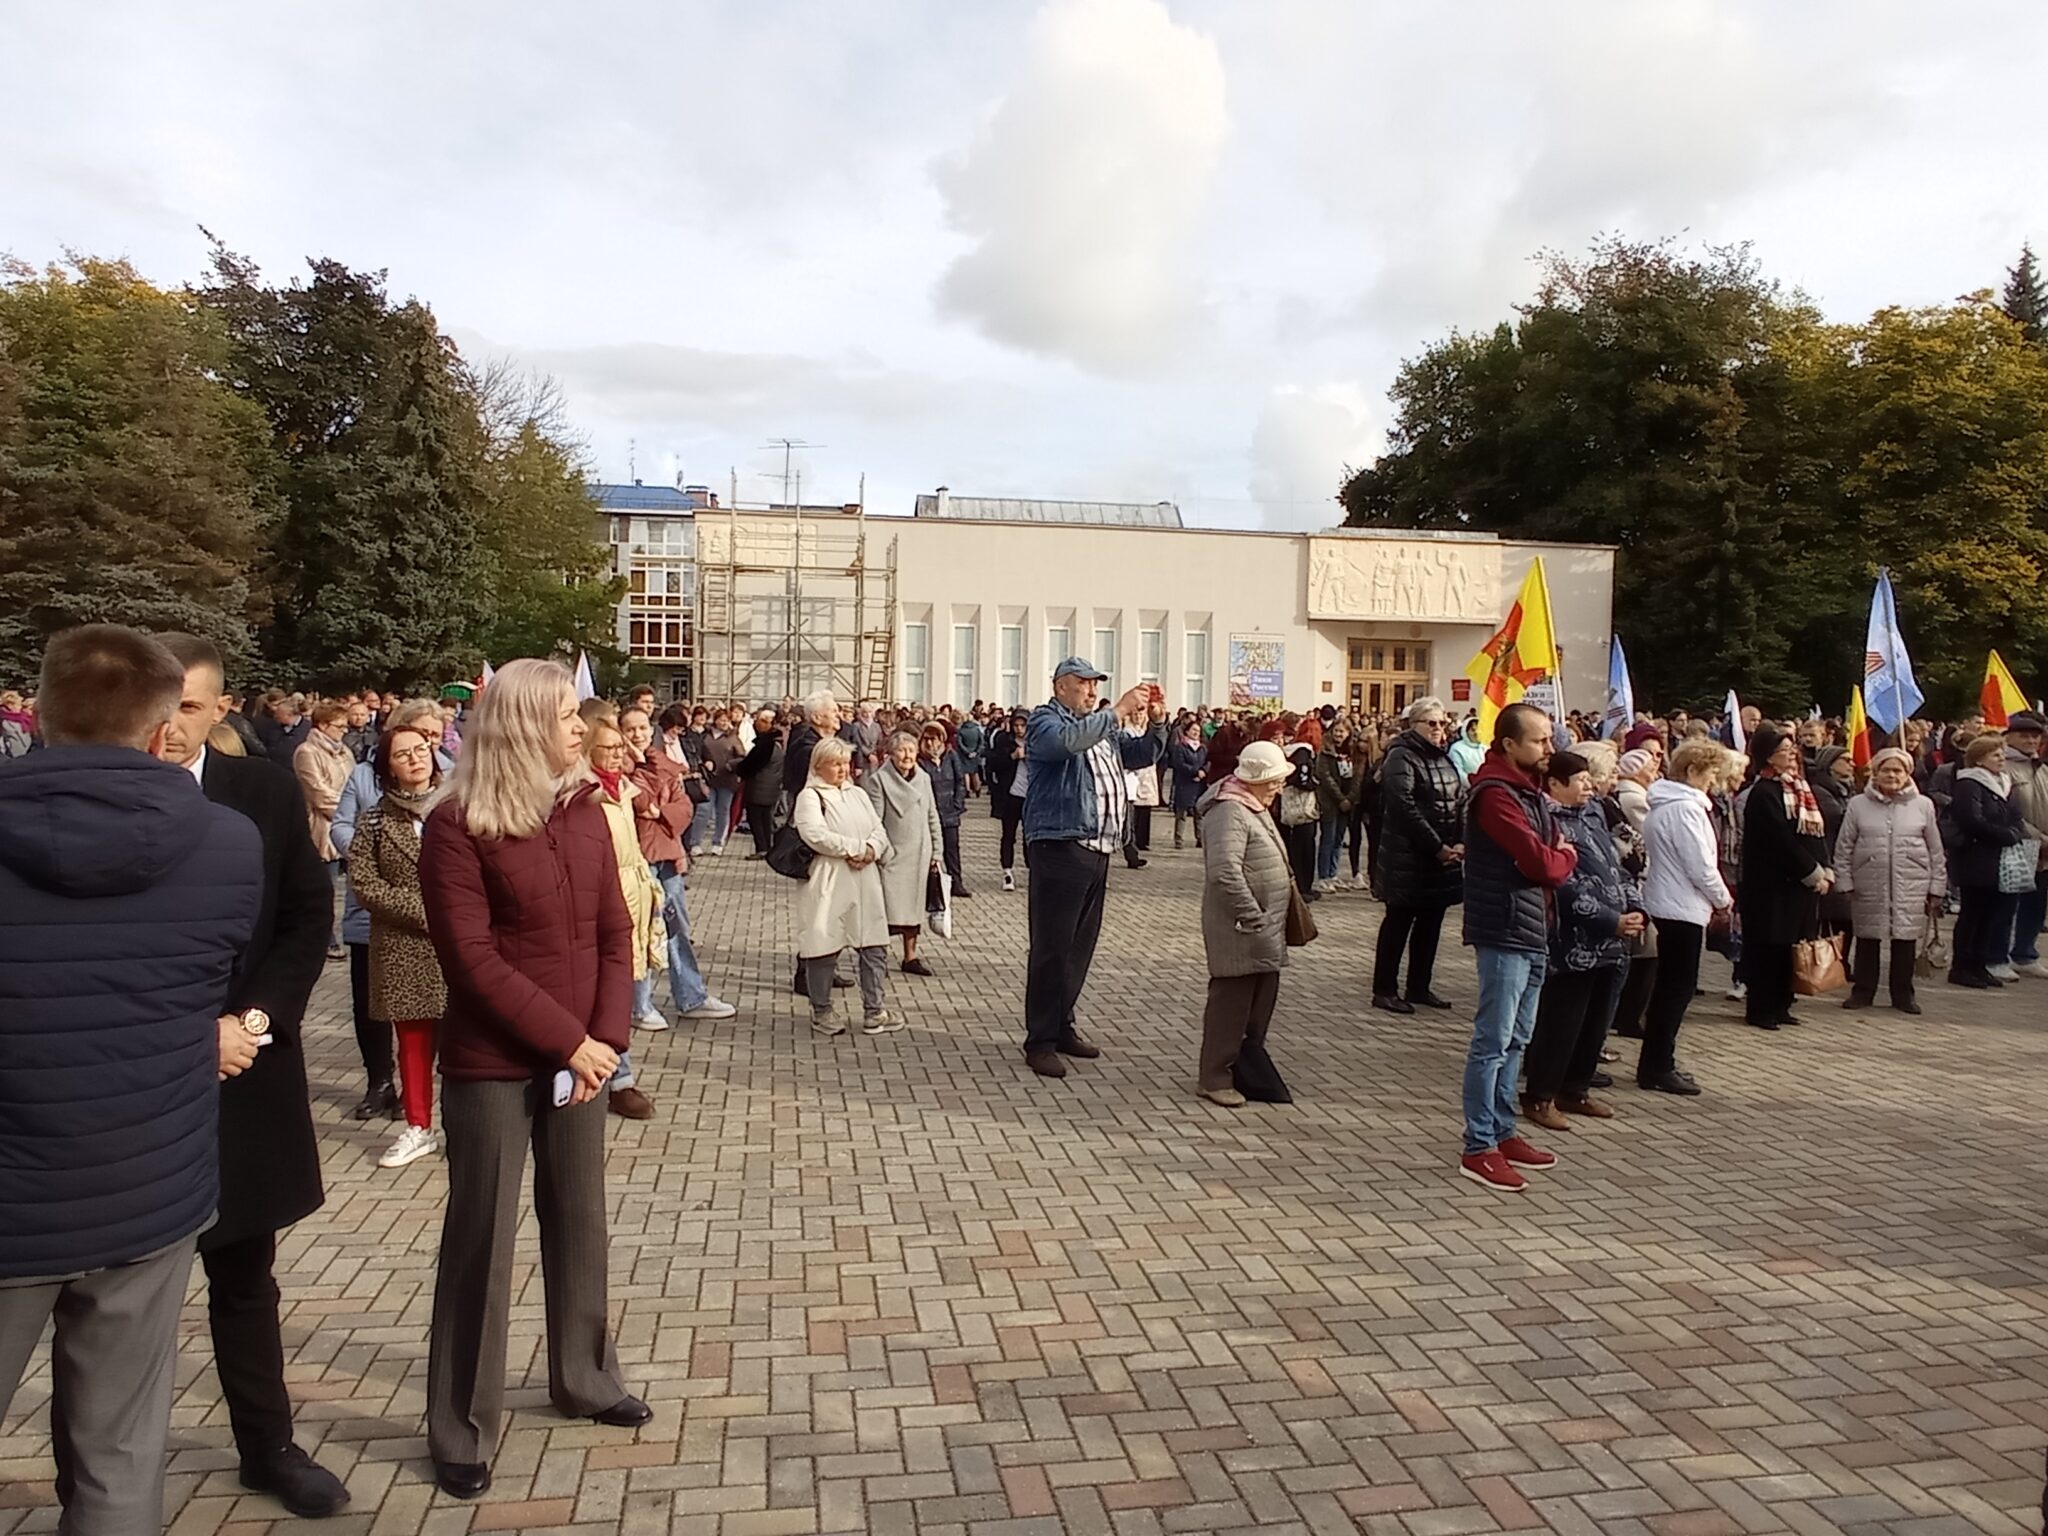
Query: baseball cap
x=1078, y=666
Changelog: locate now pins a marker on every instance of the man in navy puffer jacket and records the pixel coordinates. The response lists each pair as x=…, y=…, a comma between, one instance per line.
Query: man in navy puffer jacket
x=125, y=900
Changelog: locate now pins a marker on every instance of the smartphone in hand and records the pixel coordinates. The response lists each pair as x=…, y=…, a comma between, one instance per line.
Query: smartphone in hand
x=565, y=1088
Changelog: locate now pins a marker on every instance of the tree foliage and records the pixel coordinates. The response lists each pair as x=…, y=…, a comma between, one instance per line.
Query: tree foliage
x=132, y=486
x=2025, y=300
x=1753, y=465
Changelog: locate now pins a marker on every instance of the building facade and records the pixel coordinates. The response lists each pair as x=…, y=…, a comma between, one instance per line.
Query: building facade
x=978, y=599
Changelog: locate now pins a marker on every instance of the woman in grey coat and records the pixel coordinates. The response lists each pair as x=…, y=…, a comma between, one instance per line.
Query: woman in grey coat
x=1889, y=860
x=910, y=815
x=1245, y=885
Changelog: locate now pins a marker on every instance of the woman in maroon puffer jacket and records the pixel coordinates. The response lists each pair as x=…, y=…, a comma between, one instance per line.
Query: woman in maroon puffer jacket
x=523, y=903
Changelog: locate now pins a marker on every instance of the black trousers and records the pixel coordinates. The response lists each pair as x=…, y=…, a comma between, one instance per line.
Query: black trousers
x=1141, y=828
x=1983, y=928
x=373, y=1036
x=1301, y=853
x=761, y=827
x=1767, y=973
x=1635, y=995
x=1012, y=813
x=1355, y=833
x=1571, y=1025
x=1417, y=930
x=1678, y=972
x=1065, y=913
x=248, y=1347
x=1869, y=960
x=949, y=841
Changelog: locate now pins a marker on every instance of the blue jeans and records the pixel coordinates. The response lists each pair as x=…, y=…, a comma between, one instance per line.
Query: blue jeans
x=623, y=1078
x=1329, y=847
x=1510, y=982
x=2025, y=948
x=686, y=987
x=721, y=814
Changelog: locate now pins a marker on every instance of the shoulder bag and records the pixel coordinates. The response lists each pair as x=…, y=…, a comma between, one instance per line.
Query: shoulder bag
x=789, y=854
x=2018, y=865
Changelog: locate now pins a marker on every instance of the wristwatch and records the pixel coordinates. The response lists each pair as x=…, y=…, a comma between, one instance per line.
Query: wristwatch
x=256, y=1025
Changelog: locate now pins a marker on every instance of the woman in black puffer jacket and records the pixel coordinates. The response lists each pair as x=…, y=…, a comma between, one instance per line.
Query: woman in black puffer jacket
x=1420, y=856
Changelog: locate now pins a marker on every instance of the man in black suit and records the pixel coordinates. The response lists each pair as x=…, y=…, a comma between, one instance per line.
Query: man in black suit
x=269, y=1158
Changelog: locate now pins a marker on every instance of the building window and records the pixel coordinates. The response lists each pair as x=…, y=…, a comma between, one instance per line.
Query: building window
x=1010, y=666
x=1059, y=645
x=917, y=663
x=1151, y=654
x=1105, y=660
x=1197, y=641
x=965, y=638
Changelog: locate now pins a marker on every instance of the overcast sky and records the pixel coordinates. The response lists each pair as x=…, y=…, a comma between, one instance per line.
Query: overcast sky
x=1114, y=249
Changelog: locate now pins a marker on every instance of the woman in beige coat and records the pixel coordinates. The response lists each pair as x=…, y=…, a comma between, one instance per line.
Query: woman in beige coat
x=406, y=988
x=1888, y=857
x=323, y=764
x=903, y=798
x=1246, y=880
x=841, y=905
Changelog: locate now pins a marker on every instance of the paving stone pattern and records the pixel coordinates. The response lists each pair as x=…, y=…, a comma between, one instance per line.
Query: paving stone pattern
x=900, y=1285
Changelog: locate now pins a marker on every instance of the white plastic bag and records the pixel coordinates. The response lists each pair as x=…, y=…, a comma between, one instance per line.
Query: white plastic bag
x=940, y=918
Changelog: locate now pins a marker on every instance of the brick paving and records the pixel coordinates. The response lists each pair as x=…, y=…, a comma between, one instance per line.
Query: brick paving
x=899, y=1285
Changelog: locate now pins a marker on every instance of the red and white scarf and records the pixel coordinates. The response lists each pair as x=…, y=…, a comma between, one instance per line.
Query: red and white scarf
x=1801, y=809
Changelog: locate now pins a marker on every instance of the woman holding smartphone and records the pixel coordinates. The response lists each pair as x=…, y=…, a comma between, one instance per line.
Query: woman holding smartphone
x=526, y=913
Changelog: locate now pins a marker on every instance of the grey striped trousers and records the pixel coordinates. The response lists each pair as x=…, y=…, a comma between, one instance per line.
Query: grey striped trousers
x=487, y=1129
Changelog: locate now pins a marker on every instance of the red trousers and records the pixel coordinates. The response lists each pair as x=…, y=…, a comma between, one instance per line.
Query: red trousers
x=416, y=1070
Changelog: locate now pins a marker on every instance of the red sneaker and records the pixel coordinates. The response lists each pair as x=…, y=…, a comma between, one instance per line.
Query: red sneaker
x=1492, y=1170
x=1522, y=1155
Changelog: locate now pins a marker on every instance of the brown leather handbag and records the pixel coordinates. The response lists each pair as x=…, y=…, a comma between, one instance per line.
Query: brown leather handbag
x=1301, y=923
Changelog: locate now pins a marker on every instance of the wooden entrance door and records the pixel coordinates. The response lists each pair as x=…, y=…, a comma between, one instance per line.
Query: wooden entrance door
x=1386, y=676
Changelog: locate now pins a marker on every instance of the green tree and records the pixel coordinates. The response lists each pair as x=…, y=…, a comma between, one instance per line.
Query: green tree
x=2025, y=301
x=134, y=486
x=554, y=591
x=381, y=569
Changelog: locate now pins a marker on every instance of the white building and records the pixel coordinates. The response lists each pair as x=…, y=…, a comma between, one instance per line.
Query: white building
x=978, y=598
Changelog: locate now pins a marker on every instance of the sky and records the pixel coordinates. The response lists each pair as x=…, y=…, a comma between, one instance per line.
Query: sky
x=1102, y=249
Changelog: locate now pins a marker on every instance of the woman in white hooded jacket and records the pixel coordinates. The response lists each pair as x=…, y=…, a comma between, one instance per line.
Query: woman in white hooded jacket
x=1683, y=891
x=840, y=906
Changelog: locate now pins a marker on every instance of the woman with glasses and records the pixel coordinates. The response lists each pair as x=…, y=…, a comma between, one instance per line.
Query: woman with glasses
x=1420, y=856
x=407, y=993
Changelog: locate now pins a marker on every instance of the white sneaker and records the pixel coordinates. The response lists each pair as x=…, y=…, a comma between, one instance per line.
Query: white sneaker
x=2003, y=972
x=1009, y=881
x=884, y=1023
x=718, y=850
x=827, y=1024
x=1737, y=993
x=651, y=1019
x=2033, y=968
x=413, y=1143
x=711, y=1008
x=1324, y=887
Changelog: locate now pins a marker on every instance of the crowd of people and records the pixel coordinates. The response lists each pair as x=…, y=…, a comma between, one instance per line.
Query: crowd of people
x=507, y=879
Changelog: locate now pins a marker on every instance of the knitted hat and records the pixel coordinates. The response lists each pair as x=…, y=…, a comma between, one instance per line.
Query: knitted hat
x=1633, y=763
x=1640, y=733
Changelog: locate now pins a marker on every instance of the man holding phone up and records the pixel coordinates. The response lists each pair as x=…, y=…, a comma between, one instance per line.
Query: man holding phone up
x=1076, y=811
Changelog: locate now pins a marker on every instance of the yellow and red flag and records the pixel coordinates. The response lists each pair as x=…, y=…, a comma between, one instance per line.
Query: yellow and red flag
x=1857, y=728
x=1522, y=651
x=2001, y=697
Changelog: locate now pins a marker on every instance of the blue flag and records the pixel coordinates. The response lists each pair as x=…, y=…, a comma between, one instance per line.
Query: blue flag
x=1621, y=694
x=1732, y=734
x=1890, y=696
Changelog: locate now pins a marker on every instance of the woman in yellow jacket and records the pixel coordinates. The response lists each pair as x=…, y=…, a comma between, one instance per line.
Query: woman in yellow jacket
x=611, y=760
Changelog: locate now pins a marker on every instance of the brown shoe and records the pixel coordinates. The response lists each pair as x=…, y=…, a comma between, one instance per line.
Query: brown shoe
x=1590, y=1107
x=1543, y=1112
x=1079, y=1049
x=1046, y=1064
x=631, y=1104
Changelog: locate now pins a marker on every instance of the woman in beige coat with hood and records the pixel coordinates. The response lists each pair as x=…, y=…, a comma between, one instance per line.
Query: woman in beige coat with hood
x=841, y=906
x=1888, y=857
x=1245, y=885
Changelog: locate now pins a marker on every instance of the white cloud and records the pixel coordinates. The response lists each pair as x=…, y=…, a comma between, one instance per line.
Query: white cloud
x=1304, y=440
x=1084, y=186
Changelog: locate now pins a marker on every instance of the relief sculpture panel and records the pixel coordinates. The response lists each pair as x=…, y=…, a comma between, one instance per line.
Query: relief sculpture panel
x=1397, y=579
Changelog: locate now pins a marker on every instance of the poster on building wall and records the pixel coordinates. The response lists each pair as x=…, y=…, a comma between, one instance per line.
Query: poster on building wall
x=1258, y=669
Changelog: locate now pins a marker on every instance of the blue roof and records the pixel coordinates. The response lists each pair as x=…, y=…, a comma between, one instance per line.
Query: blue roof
x=641, y=498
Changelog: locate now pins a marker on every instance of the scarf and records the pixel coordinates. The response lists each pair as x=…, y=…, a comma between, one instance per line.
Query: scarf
x=1235, y=789
x=414, y=802
x=1801, y=809
x=609, y=781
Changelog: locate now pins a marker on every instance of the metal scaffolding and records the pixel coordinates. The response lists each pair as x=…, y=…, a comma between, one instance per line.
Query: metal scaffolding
x=790, y=601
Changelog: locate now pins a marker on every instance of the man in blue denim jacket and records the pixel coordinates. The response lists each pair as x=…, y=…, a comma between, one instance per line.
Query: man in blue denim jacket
x=1076, y=812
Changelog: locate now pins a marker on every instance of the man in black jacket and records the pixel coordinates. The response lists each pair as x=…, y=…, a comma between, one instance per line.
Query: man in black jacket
x=270, y=1161
x=125, y=900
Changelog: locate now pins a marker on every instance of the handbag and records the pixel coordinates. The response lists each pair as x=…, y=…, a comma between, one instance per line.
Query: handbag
x=1299, y=807
x=1257, y=1078
x=2018, y=866
x=697, y=791
x=1817, y=966
x=1932, y=958
x=1142, y=788
x=938, y=903
x=789, y=854
x=1301, y=923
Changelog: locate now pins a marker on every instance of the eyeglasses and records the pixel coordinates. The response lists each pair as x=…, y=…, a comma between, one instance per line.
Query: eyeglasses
x=413, y=755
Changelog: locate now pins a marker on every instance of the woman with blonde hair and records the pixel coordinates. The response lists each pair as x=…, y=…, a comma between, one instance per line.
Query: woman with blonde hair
x=841, y=904
x=1683, y=893
x=527, y=914
x=610, y=757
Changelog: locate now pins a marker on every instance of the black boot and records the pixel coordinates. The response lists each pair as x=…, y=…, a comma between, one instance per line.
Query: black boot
x=381, y=1100
x=301, y=1484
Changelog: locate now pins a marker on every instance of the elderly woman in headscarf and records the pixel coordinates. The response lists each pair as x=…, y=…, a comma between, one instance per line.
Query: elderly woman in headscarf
x=1784, y=873
x=1891, y=867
